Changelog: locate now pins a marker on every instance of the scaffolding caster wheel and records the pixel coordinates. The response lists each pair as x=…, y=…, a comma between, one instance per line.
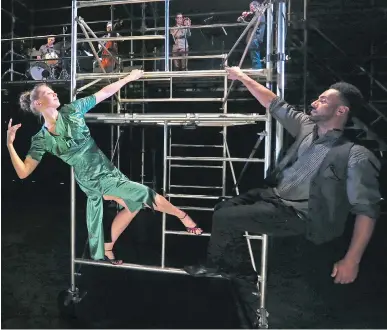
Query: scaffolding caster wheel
x=67, y=302
x=263, y=322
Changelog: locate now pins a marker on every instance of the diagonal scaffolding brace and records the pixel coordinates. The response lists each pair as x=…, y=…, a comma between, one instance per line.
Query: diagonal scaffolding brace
x=94, y=52
x=257, y=16
x=82, y=21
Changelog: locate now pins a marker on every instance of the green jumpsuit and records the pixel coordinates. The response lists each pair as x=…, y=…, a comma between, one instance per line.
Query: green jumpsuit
x=94, y=172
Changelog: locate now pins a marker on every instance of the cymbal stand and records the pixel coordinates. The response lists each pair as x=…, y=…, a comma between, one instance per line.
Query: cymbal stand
x=63, y=74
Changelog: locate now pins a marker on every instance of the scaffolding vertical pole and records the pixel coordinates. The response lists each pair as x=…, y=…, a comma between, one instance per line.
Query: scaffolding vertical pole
x=164, y=216
x=32, y=28
x=269, y=84
x=268, y=146
x=143, y=94
x=126, y=93
x=372, y=53
x=131, y=34
x=12, y=35
x=166, y=43
x=112, y=131
x=305, y=53
x=73, y=96
x=281, y=17
x=224, y=135
x=118, y=126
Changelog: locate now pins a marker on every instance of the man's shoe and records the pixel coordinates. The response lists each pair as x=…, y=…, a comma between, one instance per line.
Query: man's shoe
x=202, y=271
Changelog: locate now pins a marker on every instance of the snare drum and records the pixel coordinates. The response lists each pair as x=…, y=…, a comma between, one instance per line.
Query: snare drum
x=51, y=58
x=39, y=70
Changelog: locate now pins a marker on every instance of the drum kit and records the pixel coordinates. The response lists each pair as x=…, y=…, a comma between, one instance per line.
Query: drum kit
x=52, y=65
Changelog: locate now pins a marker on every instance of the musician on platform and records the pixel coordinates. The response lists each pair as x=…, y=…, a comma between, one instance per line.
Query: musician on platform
x=180, y=46
x=257, y=40
x=47, y=48
x=112, y=47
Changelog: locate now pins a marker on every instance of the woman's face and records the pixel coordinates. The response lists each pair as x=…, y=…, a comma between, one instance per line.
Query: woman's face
x=47, y=98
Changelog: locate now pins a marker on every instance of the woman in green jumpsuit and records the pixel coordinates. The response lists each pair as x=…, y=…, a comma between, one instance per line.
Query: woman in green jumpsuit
x=66, y=136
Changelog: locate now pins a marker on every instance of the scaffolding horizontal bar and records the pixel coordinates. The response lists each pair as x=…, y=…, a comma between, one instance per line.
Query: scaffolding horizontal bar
x=13, y=16
x=39, y=37
x=193, y=196
x=204, y=26
x=197, y=145
x=196, y=208
x=219, y=159
x=180, y=99
x=196, y=166
x=174, y=58
x=95, y=3
x=258, y=237
x=189, y=118
x=167, y=74
x=153, y=37
x=26, y=82
x=175, y=232
x=130, y=266
x=51, y=9
x=196, y=187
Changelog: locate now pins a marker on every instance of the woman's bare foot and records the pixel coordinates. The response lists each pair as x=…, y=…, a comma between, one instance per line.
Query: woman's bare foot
x=190, y=225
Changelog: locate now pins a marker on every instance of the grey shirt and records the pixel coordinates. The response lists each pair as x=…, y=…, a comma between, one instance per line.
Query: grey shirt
x=45, y=49
x=293, y=188
x=180, y=37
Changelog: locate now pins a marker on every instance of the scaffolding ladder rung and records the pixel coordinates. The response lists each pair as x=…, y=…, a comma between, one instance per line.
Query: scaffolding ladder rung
x=175, y=232
x=219, y=159
x=195, y=187
x=193, y=196
x=260, y=237
x=197, y=145
x=196, y=166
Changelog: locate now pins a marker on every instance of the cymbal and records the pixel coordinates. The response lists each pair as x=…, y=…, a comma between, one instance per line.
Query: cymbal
x=60, y=45
x=33, y=52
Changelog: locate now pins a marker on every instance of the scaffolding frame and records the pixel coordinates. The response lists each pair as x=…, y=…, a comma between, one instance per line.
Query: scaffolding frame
x=169, y=120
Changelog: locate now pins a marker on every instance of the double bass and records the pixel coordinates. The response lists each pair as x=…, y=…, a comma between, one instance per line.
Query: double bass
x=107, y=60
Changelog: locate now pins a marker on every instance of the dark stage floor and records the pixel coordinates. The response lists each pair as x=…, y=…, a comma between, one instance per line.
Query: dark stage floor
x=35, y=268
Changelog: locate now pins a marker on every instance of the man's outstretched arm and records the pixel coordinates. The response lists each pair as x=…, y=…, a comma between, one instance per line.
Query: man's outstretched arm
x=286, y=115
x=261, y=93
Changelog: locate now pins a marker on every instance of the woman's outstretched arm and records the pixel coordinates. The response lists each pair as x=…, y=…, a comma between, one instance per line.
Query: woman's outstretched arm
x=23, y=169
x=113, y=88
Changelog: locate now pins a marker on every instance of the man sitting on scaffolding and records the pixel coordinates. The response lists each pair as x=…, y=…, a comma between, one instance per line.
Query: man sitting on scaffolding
x=180, y=46
x=322, y=178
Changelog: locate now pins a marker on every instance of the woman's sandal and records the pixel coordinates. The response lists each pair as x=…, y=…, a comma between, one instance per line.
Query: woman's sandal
x=112, y=261
x=192, y=230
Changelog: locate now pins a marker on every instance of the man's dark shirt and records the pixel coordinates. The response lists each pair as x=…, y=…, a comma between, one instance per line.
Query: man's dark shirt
x=363, y=167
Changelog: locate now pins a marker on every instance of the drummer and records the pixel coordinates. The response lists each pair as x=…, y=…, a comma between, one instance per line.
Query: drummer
x=47, y=48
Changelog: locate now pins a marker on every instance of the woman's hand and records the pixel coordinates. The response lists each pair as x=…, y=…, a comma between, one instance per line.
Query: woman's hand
x=11, y=132
x=134, y=75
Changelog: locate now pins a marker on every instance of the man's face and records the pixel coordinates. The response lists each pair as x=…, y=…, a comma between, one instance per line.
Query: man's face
x=326, y=107
x=50, y=41
x=179, y=19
